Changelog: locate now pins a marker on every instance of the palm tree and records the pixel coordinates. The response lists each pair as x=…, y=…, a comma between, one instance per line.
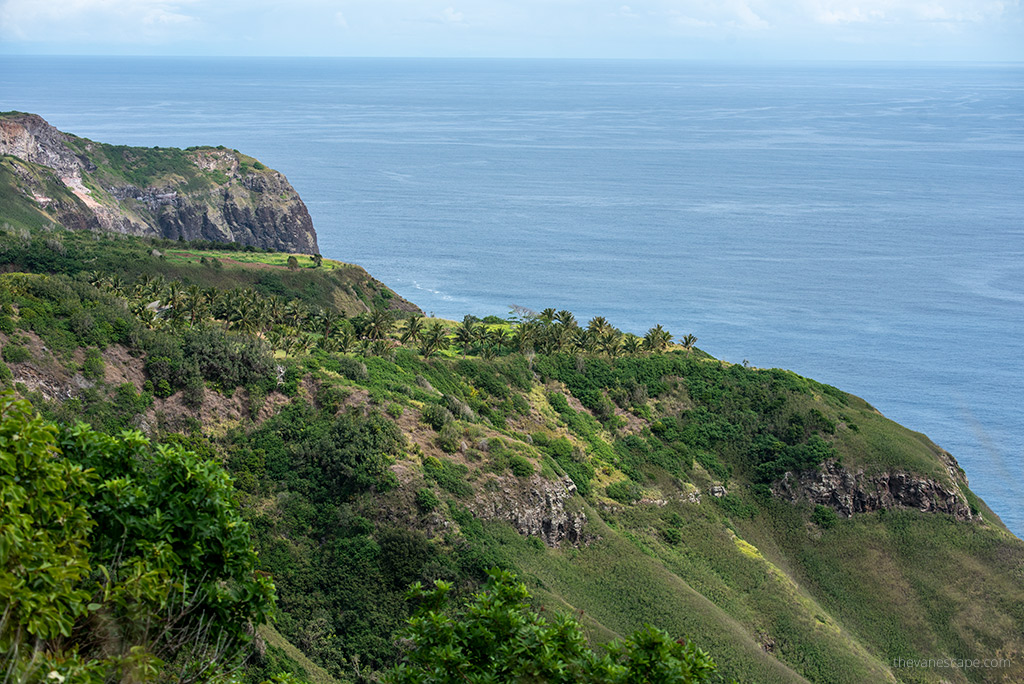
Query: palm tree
x=146, y=316
x=413, y=330
x=499, y=337
x=632, y=344
x=345, y=340
x=379, y=324
x=566, y=318
x=434, y=338
x=657, y=338
x=301, y=344
x=116, y=285
x=326, y=323
x=295, y=313
x=610, y=342
x=194, y=304
x=598, y=325
x=583, y=340
x=276, y=309
x=689, y=341
x=523, y=337
x=172, y=295
x=381, y=348
x=547, y=316
x=467, y=334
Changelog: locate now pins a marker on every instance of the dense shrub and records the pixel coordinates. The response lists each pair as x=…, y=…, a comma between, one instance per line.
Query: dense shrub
x=824, y=517
x=450, y=438
x=352, y=369
x=449, y=475
x=436, y=416
x=624, y=491
x=15, y=353
x=93, y=366
x=499, y=637
x=426, y=500
x=521, y=467
x=168, y=594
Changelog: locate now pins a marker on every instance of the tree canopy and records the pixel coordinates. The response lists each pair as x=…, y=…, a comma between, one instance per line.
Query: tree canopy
x=499, y=637
x=119, y=559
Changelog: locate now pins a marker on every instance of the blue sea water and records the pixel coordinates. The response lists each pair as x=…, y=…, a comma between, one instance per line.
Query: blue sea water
x=861, y=224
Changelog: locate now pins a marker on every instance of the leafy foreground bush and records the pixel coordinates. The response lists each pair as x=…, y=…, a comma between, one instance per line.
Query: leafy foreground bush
x=119, y=561
x=498, y=637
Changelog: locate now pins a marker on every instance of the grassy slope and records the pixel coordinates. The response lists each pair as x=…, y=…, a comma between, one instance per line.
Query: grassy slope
x=18, y=209
x=315, y=673
x=349, y=288
x=771, y=595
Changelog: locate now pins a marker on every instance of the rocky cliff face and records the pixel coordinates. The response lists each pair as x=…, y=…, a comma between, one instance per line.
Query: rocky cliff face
x=849, y=492
x=203, y=193
x=535, y=506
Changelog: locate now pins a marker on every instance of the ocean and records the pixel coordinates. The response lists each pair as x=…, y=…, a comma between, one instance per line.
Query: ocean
x=861, y=224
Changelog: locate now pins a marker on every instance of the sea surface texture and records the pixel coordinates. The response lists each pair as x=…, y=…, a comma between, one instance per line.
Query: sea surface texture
x=859, y=224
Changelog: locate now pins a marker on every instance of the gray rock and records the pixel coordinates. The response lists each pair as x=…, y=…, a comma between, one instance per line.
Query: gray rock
x=535, y=506
x=856, y=492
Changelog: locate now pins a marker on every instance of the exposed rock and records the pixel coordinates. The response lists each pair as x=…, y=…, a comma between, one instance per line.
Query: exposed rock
x=691, y=495
x=535, y=506
x=717, y=491
x=233, y=203
x=856, y=492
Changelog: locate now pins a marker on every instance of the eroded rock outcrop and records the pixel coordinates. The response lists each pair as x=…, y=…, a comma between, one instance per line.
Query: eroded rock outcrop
x=535, y=506
x=203, y=193
x=849, y=492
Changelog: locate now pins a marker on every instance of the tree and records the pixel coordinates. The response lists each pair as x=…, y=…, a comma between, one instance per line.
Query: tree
x=467, y=334
x=318, y=260
x=293, y=263
x=657, y=339
x=499, y=637
x=689, y=341
x=379, y=323
x=433, y=339
x=413, y=330
x=119, y=560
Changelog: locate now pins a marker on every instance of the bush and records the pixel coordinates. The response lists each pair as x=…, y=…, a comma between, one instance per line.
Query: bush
x=824, y=517
x=672, y=535
x=426, y=500
x=80, y=501
x=352, y=369
x=499, y=637
x=451, y=476
x=624, y=491
x=458, y=408
x=436, y=416
x=329, y=398
x=736, y=507
x=15, y=353
x=450, y=438
x=521, y=467
x=395, y=410
x=93, y=366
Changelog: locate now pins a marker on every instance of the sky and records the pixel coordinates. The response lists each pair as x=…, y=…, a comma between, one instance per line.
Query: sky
x=930, y=30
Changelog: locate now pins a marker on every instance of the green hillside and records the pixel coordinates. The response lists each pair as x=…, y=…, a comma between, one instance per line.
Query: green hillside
x=782, y=525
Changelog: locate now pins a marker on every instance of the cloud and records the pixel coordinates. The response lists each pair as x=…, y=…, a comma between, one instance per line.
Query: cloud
x=590, y=28
x=906, y=13
x=450, y=16
x=116, y=20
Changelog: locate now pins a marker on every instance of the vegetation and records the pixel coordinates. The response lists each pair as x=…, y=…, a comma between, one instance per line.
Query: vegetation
x=498, y=637
x=119, y=559
x=370, y=448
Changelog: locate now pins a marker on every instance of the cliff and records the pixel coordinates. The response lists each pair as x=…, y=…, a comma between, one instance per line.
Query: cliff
x=199, y=193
